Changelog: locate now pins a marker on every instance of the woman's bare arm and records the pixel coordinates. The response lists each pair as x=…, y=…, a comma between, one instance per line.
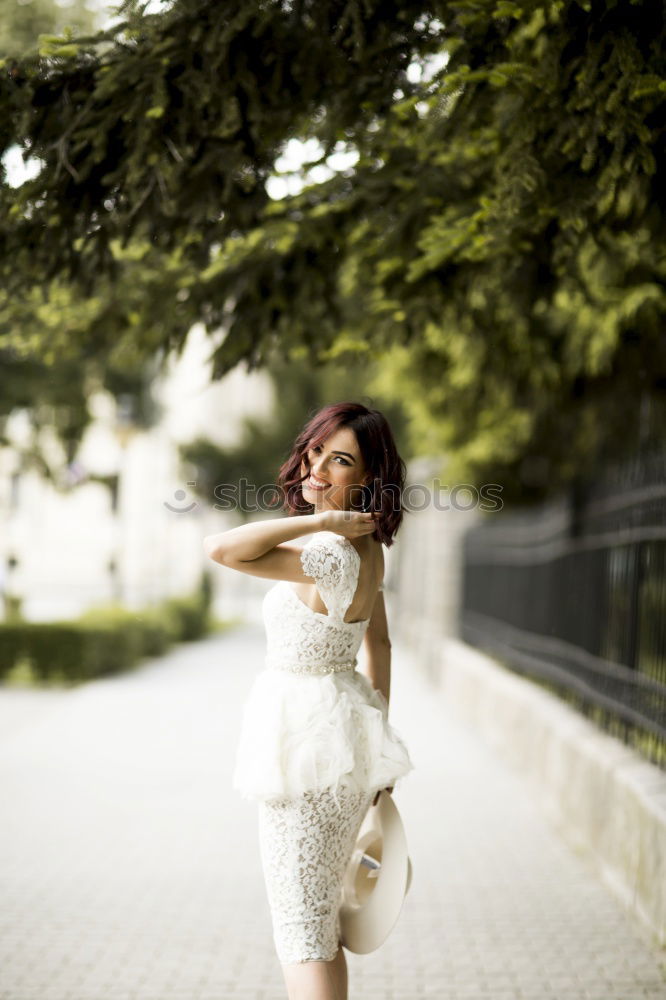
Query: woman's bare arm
x=378, y=659
x=248, y=542
x=377, y=647
x=259, y=548
x=378, y=655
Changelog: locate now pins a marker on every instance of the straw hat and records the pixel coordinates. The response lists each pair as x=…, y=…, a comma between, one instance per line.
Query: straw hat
x=376, y=879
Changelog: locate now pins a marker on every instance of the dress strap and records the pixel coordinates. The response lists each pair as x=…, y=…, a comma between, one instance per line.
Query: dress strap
x=333, y=562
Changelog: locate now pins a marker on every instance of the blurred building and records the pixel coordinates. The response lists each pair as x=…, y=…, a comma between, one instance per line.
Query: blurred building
x=138, y=539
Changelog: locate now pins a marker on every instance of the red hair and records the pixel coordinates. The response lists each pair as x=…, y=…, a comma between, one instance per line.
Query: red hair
x=383, y=464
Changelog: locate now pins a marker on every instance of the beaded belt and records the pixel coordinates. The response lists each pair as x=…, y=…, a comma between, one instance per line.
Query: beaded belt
x=314, y=670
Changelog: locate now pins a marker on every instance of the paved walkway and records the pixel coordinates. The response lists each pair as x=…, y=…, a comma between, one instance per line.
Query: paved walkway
x=129, y=868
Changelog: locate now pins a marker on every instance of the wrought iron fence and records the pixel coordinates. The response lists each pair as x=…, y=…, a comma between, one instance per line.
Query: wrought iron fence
x=574, y=595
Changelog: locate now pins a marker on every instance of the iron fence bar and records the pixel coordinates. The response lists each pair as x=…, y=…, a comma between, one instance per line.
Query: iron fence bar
x=533, y=664
x=560, y=647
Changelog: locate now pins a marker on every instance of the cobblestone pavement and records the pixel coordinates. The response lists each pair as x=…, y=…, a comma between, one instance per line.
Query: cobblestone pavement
x=130, y=867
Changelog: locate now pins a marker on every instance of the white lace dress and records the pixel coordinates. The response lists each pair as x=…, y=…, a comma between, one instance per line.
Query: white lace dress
x=315, y=746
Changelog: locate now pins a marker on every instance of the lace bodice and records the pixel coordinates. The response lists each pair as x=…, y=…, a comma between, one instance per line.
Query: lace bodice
x=305, y=641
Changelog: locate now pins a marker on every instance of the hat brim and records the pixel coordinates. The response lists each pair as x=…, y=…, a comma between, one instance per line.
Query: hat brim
x=365, y=926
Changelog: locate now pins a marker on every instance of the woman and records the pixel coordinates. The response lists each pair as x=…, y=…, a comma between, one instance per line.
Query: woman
x=316, y=746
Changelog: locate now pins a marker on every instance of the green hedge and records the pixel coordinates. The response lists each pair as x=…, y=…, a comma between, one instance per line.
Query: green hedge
x=104, y=640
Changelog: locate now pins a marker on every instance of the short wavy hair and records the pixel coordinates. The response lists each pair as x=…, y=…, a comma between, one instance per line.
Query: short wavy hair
x=383, y=464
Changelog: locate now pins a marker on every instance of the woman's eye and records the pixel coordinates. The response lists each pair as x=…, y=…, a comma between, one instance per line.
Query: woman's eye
x=317, y=447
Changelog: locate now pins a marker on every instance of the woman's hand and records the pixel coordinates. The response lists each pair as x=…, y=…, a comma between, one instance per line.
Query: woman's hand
x=376, y=798
x=350, y=523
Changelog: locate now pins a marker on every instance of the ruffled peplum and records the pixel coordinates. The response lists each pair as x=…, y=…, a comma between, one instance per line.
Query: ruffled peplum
x=303, y=732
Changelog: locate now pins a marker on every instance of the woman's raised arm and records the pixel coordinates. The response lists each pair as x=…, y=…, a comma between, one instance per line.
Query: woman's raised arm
x=250, y=541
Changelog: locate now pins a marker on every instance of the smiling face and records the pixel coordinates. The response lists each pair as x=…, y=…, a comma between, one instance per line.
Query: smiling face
x=337, y=463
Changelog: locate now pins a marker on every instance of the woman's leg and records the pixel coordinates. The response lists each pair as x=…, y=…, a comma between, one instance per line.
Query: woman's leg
x=317, y=980
x=343, y=984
